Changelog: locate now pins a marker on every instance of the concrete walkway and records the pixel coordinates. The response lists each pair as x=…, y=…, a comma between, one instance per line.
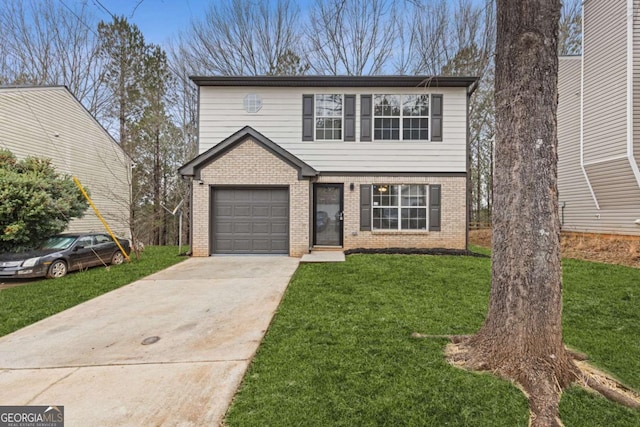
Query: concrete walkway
x=209, y=314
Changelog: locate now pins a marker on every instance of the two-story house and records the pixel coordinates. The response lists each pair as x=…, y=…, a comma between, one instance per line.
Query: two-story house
x=599, y=123
x=288, y=164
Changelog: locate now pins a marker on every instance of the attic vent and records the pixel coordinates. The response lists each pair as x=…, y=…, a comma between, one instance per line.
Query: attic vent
x=252, y=103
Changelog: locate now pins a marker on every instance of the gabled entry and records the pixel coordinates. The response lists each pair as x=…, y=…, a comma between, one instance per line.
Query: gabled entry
x=328, y=214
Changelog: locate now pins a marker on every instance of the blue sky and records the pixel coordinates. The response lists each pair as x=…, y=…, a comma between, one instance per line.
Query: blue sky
x=159, y=20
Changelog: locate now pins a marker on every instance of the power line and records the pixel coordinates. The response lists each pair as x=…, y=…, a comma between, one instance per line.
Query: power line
x=79, y=18
x=97, y=2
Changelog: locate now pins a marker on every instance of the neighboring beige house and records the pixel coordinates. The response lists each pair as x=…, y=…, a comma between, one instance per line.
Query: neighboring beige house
x=289, y=164
x=599, y=123
x=48, y=121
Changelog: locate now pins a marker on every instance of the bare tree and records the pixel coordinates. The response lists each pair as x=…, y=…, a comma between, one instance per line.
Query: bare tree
x=353, y=37
x=570, y=36
x=241, y=37
x=45, y=42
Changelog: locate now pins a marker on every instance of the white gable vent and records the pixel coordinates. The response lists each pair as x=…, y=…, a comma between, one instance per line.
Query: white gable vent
x=252, y=103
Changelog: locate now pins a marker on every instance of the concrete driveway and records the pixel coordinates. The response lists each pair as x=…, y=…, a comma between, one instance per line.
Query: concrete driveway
x=209, y=314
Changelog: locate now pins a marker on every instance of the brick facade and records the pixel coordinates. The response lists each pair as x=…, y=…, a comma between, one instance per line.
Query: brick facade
x=453, y=214
x=249, y=164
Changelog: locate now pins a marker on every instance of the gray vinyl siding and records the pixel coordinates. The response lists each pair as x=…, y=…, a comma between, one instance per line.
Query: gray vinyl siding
x=222, y=114
x=636, y=80
x=605, y=126
x=573, y=189
x=605, y=79
x=30, y=119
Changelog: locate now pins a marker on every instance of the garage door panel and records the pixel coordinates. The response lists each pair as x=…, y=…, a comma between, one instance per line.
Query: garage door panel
x=278, y=228
x=223, y=245
x=260, y=211
x=262, y=228
x=279, y=212
x=224, y=227
x=223, y=210
x=261, y=196
x=280, y=245
x=241, y=228
x=250, y=220
x=281, y=197
x=242, y=211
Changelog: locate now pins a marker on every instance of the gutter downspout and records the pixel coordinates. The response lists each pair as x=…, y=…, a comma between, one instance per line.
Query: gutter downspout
x=584, y=171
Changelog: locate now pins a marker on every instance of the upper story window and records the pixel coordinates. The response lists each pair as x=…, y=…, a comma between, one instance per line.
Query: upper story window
x=328, y=117
x=382, y=117
x=401, y=117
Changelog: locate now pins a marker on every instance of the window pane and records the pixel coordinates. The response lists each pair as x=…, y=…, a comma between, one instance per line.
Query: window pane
x=414, y=219
x=329, y=129
x=415, y=128
x=385, y=195
x=385, y=218
x=414, y=195
x=329, y=105
x=415, y=105
x=386, y=105
x=387, y=128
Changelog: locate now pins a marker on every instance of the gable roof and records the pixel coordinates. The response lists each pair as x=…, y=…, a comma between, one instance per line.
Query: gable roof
x=193, y=167
x=335, y=81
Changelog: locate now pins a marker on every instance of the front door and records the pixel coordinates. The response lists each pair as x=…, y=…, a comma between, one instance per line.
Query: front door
x=327, y=214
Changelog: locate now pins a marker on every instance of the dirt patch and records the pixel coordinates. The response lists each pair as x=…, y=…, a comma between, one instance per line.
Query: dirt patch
x=622, y=250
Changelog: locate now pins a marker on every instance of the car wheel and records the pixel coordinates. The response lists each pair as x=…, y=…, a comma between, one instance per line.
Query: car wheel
x=57, y=269
x=117, y=258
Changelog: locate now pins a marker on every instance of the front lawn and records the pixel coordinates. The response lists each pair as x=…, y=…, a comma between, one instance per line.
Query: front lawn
x=339, y=351
x=23, y=305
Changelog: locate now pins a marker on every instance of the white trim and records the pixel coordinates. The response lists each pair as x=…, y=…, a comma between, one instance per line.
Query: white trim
x=582, y=165
x=630, y=156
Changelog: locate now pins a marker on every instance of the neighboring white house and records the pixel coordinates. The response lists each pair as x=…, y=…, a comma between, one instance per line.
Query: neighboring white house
x=599, y=123
x=48, y=121
x=288, y=164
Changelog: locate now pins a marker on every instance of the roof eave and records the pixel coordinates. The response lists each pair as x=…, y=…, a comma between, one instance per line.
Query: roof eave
x=335, y=81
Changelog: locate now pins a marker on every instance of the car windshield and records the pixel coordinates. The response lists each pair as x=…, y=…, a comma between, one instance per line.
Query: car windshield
x=58, y=242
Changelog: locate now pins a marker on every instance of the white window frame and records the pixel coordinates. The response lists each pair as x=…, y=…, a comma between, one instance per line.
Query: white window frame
x=399, y=207
x=402, y=116
x=316, y=116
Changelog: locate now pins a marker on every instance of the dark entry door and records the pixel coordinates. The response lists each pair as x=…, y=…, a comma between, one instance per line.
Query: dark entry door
x=327, y=214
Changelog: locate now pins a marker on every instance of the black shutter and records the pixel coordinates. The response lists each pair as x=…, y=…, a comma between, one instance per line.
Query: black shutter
x=307, y=117
x=365, y=117
x=365, y=207
x=436, y=117
x=349, y=117
x=434, y=207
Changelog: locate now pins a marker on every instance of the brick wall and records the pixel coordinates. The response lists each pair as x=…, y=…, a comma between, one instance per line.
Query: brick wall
x=453, y=214
x=249, y=164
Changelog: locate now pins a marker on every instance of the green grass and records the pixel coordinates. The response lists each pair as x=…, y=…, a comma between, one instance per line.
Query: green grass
x=23, y=305
x=339, y=352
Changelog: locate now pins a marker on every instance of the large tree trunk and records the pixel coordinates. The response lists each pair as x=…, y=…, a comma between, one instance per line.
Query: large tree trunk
x=521, y=338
